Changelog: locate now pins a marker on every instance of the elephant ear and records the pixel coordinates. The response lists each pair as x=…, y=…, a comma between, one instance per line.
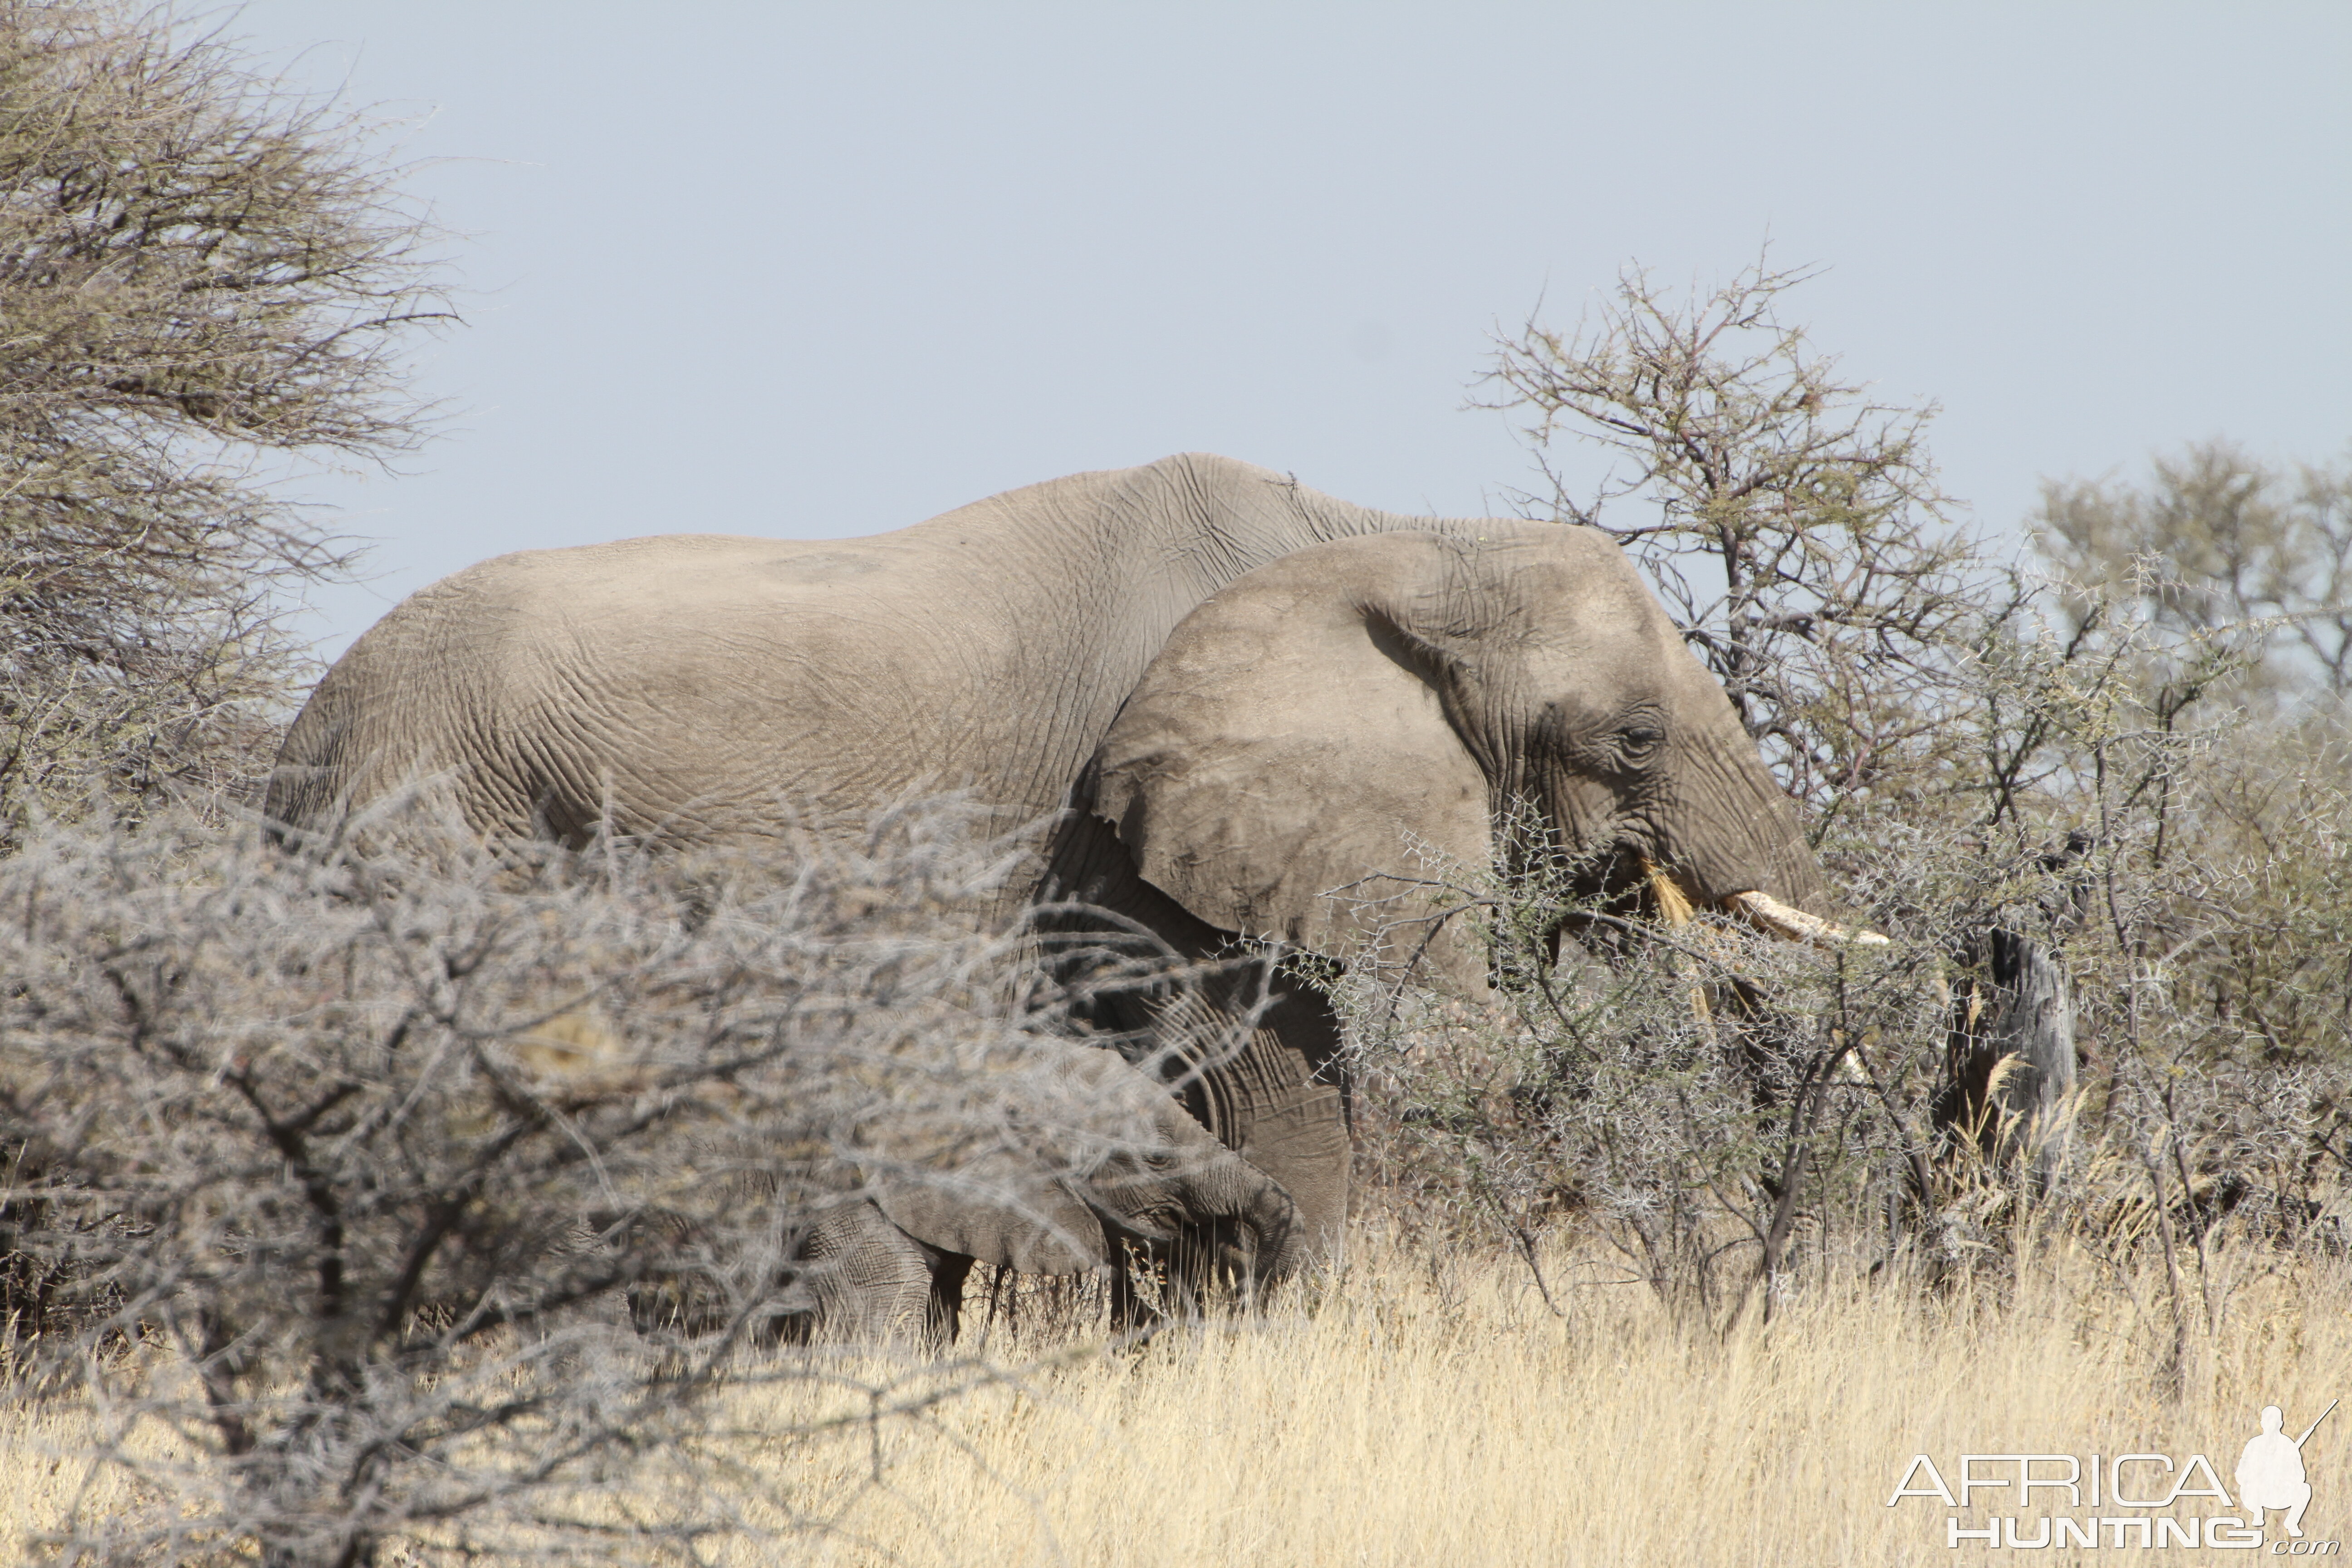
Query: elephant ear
x=1287, y=768
x=998, y=1210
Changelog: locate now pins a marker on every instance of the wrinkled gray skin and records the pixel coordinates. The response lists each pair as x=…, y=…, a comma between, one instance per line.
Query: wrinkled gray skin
x=1059, y=1200
x=1239, y=694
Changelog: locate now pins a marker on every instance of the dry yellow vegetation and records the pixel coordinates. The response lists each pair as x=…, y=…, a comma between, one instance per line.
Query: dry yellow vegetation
x=1409, y=1412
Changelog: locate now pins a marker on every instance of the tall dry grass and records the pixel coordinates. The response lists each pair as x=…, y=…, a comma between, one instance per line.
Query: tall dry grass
x=1420, y=1409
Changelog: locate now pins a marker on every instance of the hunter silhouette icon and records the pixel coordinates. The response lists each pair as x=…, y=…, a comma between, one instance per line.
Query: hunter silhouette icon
x=2270, y=1472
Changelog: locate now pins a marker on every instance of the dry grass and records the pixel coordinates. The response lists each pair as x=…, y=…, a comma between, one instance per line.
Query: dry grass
x=1406, y=1413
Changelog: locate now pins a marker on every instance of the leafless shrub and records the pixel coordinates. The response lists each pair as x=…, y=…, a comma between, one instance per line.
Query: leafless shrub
x=343, y=1167
x=1712, y=1101
x=197, y=270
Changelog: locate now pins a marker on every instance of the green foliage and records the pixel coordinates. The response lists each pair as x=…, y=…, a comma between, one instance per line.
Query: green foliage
x=197, y=271
x=1715, y=1104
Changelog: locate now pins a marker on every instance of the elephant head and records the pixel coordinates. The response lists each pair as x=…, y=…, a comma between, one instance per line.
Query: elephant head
x=1098, y=1158
x=1314, y=737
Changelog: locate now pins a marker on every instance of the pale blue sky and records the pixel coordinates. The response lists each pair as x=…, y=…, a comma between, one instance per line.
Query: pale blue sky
x=813, y=270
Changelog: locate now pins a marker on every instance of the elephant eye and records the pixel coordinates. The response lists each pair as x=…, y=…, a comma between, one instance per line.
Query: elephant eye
x=1639, y=743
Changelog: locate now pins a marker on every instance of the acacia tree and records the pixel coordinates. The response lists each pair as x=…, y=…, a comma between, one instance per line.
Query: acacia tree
x=1793, y=523
x=198, y=271
x=2220, y=544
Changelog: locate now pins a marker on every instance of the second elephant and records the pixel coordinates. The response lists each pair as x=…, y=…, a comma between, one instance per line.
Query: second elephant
x=1124, y=1174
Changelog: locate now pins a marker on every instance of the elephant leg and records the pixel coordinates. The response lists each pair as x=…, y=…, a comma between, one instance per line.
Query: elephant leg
x=1181, y=1273
x=1258, y=1065
x=1266, y=1081
x=1289, y=1119
x=876, y=1285
x=1130, y=1312
x=943, y=1315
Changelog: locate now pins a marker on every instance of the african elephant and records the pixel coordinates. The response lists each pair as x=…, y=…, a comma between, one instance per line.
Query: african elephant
x=1128, y=1168
x=1231, y=694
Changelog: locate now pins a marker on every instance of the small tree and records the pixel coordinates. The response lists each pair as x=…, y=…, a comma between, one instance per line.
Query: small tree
x=1794, y=525
x=197, y=270
x=2221, y=545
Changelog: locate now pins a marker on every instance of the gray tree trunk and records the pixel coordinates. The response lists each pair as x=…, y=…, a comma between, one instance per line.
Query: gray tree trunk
x=2011, y=1056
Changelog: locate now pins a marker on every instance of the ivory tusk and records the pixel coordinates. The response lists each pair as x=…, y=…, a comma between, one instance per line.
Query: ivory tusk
x=1787, y=920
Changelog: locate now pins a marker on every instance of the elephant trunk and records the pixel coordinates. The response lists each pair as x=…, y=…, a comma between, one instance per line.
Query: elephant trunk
x=1278, y=1241
x=1734, y=830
